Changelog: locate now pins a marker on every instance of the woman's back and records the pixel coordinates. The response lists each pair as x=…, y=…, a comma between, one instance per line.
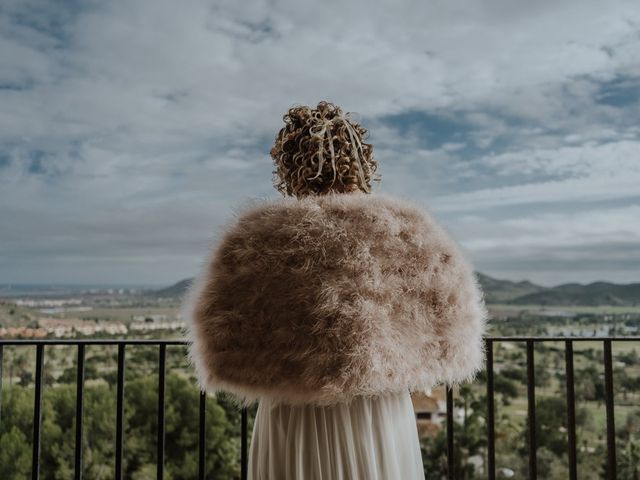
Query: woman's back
x=329, y=307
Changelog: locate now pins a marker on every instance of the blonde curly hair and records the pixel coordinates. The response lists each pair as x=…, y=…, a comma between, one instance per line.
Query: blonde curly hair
x=309, y=139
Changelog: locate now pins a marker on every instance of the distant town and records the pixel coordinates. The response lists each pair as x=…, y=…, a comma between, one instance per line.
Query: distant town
x=34, y=311
x=86, y=313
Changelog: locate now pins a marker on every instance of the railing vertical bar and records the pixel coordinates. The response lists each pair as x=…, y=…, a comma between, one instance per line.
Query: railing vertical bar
x=491, y=447
x=120, y=413
x=531, y=403
x=243, y=444
x=571, y=410
x=37, y=413
x=1, y=362
x=450, y=459
x=611, y=433
x=162, y=363
x=79, y=411
x=201, y=442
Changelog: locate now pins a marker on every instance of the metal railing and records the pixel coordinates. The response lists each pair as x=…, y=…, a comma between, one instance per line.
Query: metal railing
x=162, y=350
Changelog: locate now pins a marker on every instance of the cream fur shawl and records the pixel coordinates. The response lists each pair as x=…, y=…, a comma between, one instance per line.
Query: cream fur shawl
x=319, y=299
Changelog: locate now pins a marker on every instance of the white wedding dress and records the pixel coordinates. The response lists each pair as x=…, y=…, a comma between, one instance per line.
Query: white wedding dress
x=369, y=438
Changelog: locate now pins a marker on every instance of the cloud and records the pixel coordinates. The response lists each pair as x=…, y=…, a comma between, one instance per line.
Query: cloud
x=588, y=173
x=129, y=129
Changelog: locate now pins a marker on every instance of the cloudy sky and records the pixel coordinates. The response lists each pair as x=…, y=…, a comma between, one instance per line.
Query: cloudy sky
x=130, y=129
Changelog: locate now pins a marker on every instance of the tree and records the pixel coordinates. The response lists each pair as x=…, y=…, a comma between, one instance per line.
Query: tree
x=588, y=384
x=506, y=387
x=551, y=424
x=469, y=440
x=629, y=461
x=15, y=461
x=140, y=431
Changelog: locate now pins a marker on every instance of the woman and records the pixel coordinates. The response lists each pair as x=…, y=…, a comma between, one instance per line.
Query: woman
x=329, y=306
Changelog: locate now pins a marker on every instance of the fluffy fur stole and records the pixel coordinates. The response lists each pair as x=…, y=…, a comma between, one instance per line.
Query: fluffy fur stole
x=319, y=299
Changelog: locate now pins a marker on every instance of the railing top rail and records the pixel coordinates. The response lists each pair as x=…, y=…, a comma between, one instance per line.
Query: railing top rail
x=88, y=341
x=125, y=341
x=519, y=338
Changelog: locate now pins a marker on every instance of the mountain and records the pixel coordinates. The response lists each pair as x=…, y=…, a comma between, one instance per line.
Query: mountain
x=517, y=293
x=176, y=290
x=593, y=294
x=504, y=291
x=527, y=293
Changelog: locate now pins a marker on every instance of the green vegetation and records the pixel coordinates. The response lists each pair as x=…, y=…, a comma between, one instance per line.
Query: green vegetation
x=141, y=403
x=551, y=414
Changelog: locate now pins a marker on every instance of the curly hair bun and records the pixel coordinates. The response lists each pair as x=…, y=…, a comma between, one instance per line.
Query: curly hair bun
x=321, y=150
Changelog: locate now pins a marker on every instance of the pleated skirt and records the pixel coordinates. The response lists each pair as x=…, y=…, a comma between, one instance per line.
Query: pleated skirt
x=368, y=438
